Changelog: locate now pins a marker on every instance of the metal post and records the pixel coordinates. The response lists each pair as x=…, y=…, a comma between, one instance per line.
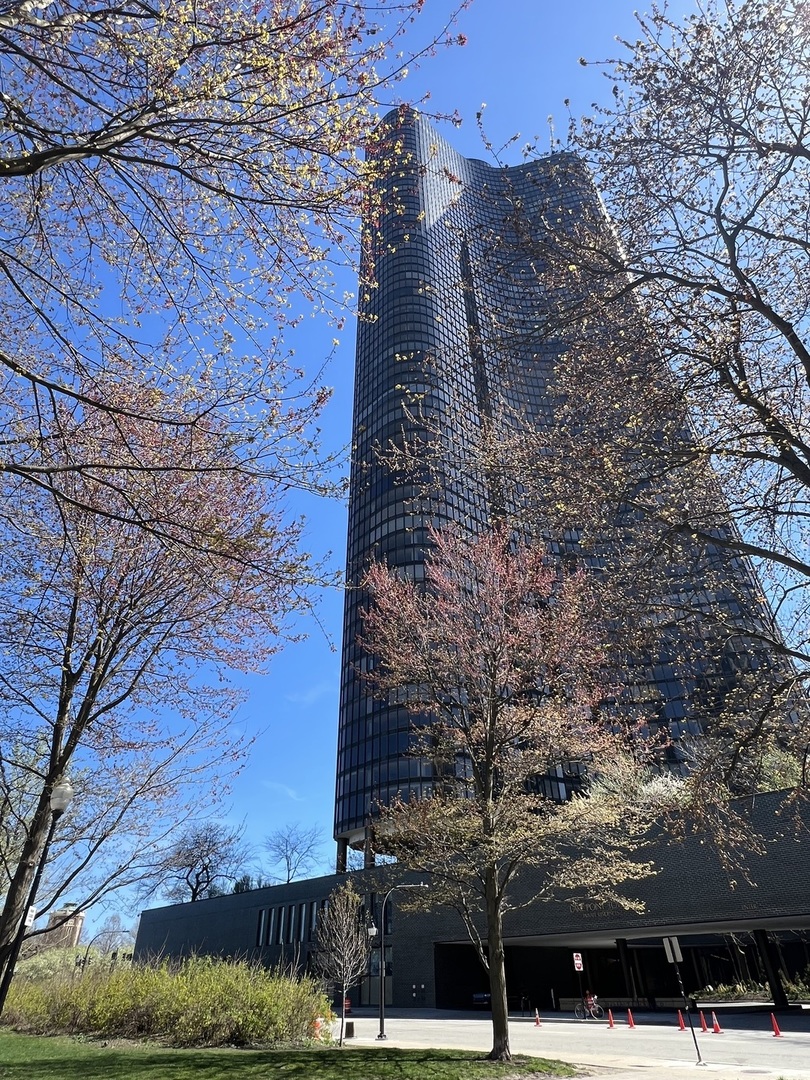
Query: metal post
x=688, y=1011
x=421, y=885
x=382, y=1034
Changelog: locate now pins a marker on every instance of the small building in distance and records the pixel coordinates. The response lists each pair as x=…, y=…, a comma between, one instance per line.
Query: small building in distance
x=64, y=931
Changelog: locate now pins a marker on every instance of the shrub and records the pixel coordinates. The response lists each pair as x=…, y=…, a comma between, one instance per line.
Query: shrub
x=202, y=1002
x=796, y=990
x=733, y=991
x=49, y=963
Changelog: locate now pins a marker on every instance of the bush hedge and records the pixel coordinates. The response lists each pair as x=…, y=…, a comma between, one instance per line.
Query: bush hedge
x=797, y=989
x=202, y=1002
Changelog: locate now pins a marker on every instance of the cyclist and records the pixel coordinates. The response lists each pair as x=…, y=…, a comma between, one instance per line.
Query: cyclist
x=589, y=1006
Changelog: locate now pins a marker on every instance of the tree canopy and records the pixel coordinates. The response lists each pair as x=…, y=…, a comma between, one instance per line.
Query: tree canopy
x=293, y=850
x=206, y=859
x=704, y=164
x=117, y=643
x=498, y=659
x=177, y=180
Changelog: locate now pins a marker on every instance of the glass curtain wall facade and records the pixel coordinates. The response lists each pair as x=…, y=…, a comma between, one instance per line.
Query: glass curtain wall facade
x=425, y=368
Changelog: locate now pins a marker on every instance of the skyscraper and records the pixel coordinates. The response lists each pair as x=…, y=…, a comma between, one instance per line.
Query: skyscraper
x=461, y=344
x=429, y=369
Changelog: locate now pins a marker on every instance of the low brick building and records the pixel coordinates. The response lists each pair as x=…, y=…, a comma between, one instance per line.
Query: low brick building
x=734, y=926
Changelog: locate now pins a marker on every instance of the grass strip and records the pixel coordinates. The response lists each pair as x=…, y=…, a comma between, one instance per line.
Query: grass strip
x=30, y=1057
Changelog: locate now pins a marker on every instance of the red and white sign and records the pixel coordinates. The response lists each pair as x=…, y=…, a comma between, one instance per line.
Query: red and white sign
x=578, y=961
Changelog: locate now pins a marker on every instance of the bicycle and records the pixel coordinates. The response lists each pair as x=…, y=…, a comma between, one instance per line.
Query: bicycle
x=584, y=1009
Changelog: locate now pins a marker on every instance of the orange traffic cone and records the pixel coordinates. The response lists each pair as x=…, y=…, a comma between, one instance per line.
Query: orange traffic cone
x=715, y=1026
x=703, y=1022
x=681, y=1024
x=630, y=1021
x=536, y=1018
x=777, y=1034
x=610, y=1018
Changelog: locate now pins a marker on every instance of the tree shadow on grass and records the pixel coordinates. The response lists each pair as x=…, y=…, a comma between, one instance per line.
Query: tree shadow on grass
x=374, y=1063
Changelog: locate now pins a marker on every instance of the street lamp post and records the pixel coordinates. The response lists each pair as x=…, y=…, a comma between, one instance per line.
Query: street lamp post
x=61, y=797
x=420, y=885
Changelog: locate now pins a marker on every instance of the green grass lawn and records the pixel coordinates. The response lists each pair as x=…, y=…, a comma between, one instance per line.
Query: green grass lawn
x=29, y=1057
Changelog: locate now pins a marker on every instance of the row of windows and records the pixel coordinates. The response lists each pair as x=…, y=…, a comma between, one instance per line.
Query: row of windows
x=372, y=503
x=446, y=357
x=458, y=500
x=365, y=544
x=400, y=386
x=400, y=550
x=394, y=770
x=288, y=923
x=407, y=407
x=368, y=515
x=391, y=727
x=415, y=298
x=446, y=325
x=352, y=811
x=379, y=731
x=400, y=512
x=407, y=324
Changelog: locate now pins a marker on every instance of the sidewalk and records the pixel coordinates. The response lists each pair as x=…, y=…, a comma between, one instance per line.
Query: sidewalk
x=654, y=1049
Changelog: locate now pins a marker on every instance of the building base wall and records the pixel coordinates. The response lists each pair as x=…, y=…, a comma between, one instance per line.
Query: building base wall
x=752, y=930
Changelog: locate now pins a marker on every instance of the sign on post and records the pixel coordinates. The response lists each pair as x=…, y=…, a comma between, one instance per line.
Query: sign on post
x=578, y=966
x=673, y=950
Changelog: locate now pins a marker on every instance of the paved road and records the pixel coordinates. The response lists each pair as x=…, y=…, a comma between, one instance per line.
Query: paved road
x=655, y=1048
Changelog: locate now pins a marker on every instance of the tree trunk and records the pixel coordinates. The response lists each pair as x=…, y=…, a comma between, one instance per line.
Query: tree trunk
x=497, y=972
x=13, y=909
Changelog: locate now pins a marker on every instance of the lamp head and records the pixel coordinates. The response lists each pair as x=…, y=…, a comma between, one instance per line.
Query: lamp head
x=61, y=796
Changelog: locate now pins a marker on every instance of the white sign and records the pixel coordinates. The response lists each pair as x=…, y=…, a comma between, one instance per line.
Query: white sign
x=30, y=915
x=673, y=950
x=578, y=966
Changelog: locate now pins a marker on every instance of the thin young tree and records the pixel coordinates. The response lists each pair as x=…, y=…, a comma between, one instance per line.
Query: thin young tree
x=498, y=658
x=342, y=944
x=113, y=936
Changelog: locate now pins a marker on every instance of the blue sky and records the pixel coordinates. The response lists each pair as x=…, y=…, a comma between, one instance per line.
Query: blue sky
x=522, y=60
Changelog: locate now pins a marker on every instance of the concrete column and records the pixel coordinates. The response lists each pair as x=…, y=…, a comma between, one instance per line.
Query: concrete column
x=627, y=971
x=369, y=855
x=769, y=963
x=342, y=856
